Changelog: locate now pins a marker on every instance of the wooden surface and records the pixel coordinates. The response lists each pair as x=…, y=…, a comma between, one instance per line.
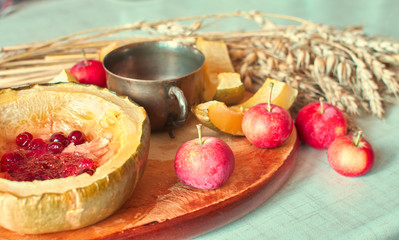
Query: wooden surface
x=164, y=208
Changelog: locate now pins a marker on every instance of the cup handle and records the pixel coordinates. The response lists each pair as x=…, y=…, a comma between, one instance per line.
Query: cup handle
x=178, y=93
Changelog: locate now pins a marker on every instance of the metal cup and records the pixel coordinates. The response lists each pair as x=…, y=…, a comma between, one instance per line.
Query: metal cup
x=165, y=77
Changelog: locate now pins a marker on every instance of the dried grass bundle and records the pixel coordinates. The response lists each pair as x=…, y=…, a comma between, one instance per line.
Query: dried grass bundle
x=353, y=71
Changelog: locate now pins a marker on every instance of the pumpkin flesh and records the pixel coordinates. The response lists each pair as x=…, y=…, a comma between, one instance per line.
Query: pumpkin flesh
x=76, y=201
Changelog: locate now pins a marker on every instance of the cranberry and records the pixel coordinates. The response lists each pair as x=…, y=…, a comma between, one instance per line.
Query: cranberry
x=55, y=147
x=23, y=139
x=77, y=137
x=37, y=144
x=10, y=161
x=60, y=137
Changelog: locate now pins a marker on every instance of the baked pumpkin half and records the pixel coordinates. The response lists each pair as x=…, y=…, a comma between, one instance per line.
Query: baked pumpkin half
x=43, y=206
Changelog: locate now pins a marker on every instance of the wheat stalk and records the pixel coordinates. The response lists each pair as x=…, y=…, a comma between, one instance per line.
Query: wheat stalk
x=356, y=72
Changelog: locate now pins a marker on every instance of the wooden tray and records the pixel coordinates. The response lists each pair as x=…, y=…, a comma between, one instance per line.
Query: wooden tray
x=164, y=208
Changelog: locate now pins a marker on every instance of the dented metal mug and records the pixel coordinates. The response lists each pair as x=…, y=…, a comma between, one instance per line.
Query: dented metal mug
x=165, y=77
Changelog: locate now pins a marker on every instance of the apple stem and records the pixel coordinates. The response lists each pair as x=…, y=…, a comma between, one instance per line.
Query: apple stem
x=321, y=105
x=357, y=139
x=269, y=107
x=199, y=133
x=84, y=57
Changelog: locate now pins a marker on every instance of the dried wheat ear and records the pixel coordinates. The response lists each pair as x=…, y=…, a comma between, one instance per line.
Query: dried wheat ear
x=355, y=72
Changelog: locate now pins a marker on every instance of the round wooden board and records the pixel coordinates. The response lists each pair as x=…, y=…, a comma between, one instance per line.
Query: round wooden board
x=164, y=208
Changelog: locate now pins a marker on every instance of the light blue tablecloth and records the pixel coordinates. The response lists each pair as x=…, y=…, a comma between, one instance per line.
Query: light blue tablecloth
x=315, y=203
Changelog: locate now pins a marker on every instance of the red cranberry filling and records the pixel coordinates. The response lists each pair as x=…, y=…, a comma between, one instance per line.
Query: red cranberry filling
x=41, y=160
x=10, y=161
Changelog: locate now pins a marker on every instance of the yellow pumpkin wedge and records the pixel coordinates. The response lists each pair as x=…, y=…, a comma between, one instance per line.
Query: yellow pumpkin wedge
x=227, y=119
x=219, y=117
x=230, y=89
x=201, y=111
x=283, y=95
x=217, y=60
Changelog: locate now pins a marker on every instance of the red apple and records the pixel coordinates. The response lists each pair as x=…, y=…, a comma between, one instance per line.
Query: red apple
x=319, y=123
x=90, y=72
x=267, y=125
x=204, y=163
x=350, y=155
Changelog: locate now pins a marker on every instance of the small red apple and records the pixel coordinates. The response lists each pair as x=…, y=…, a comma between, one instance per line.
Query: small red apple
x=319, y=123
x=90, y=72
x=267, y=128
x=350, y=155
x=267, y=125
x=204, y=163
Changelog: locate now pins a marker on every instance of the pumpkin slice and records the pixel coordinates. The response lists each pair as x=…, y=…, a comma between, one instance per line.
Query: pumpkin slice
x=217, y=60
x=218, y=116
x=77, y=201
x=283, y=95
x=227, y=120
x=201, y=111
x=230, y=89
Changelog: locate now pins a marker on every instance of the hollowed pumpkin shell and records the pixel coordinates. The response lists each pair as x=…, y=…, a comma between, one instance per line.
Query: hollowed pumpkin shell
x=78, y=201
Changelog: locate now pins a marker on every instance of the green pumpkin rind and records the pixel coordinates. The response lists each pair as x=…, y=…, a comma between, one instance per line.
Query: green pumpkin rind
x=201, y=113
x=89, y=202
